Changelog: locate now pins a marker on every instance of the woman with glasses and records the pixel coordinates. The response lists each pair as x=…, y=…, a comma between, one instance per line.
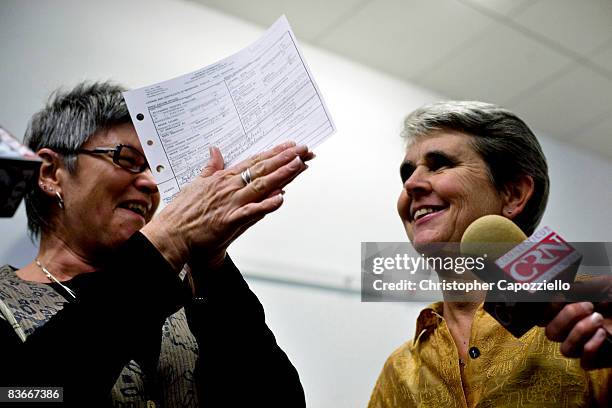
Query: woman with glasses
x=104, y=310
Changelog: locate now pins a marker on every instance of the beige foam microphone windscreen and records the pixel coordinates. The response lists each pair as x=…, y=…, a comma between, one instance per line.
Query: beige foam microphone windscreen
x=492, y=235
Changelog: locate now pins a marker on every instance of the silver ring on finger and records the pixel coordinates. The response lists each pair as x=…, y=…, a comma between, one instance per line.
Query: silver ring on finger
x=246, y=176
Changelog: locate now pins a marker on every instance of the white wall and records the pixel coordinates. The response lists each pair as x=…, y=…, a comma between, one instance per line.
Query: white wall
x=347, y=196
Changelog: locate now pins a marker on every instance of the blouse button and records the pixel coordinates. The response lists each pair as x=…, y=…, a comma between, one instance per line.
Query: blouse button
x=474, y=352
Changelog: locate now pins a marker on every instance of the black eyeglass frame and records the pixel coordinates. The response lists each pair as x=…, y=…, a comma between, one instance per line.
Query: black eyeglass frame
x=116, y=156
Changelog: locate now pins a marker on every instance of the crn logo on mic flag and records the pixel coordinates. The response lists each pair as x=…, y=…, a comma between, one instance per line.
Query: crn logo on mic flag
x=544, y=253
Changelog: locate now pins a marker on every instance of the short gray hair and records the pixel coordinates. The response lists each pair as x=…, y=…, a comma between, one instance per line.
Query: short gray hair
x=68, y=120
x=502, y=139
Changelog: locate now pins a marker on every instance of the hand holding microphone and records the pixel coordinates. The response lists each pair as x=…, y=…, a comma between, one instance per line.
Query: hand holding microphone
x=584, y=328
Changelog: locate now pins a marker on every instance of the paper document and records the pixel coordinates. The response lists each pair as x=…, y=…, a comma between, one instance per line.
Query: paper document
x=243, y=104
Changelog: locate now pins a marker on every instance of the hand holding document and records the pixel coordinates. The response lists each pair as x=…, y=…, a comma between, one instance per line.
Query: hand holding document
x=244, y=104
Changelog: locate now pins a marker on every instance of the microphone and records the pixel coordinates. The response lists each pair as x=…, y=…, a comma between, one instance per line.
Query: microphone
x=544, y=256
x=542, y=260
x=18, y=166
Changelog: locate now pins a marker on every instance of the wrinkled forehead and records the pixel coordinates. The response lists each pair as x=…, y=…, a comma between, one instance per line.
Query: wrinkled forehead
x=448, y=141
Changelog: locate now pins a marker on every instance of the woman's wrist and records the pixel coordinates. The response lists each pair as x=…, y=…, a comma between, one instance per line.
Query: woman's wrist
x=172, y=249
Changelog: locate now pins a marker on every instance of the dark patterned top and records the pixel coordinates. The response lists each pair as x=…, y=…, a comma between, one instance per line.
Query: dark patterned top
x=119, y=315
x=170, y=384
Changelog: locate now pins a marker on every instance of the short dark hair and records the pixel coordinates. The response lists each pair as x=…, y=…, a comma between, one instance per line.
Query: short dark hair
x=68, y=120
x=502, y=139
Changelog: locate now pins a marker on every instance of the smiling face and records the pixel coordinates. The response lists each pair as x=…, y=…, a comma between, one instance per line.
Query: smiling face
x=105, y=204
x=446, y=187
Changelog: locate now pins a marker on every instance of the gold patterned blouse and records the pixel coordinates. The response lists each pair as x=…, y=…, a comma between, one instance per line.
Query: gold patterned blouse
x=501, y=371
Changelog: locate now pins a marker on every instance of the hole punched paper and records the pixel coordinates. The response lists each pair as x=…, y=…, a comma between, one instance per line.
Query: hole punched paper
x=246, y=103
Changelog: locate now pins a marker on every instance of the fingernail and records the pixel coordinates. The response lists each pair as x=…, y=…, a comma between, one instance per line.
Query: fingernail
x=210, y=151
x=601, y=333
x=290, y=143
x=596, y=318
x=296, y=163
x=280, y=198
x=299, y=150
x=588, y=306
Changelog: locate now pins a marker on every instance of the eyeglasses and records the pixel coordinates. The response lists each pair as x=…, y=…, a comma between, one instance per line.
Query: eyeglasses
x=124, y=156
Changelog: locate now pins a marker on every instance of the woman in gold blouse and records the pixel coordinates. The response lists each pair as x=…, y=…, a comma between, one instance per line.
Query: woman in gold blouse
x=465, y=160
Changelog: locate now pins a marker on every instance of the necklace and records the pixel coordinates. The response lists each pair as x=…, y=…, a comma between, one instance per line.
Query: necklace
x=54, y=279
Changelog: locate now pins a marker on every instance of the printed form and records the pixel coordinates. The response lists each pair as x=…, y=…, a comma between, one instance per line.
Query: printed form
x=246, y=103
